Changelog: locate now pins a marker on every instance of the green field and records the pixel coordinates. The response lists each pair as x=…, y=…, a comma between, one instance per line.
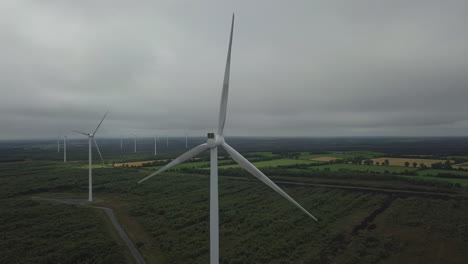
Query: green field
x=434, y=172
x=261, y=154
x=357, y=167
x=343, y=155
x=273, y=163
x=462, y=182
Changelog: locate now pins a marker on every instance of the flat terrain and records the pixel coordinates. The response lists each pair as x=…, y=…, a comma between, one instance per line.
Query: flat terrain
x=134, y=163
x=324, y=159
x=273, y=163
x=368, y=213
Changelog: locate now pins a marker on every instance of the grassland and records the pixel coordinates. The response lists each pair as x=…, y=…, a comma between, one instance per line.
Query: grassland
x=273, y=163
x=342, y=155
x=358, y=167
x=434, y=172
x=462, y=182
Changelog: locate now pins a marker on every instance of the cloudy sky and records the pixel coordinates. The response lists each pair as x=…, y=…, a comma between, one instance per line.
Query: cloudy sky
x=299, y=68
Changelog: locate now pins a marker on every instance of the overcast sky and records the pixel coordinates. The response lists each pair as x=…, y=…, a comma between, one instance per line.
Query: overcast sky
x=299, y=68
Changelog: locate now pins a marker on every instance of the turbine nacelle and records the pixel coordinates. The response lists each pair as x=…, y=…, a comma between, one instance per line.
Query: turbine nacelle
x=214, y=140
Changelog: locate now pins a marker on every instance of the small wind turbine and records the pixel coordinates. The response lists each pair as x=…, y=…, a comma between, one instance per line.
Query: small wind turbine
x=155, y=145
x=214, y=141
x=134, y=141
x=91, y=139
x=65, y=149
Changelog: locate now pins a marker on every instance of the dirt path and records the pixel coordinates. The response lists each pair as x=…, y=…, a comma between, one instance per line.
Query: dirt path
x=128, y=242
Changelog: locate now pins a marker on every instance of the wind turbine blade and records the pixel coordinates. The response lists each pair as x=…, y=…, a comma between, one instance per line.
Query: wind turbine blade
x=244, y=163
x=83, y=133
x=97, y=147
x=100, y=123
x=187, y=155
x=224, y=95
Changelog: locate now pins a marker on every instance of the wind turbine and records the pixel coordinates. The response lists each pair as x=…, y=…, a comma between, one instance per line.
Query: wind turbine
x=186, y=140
x=65, y=149
x=134, y=141
x=91, y=139
x=214, y=141
x=155, y=145
x=58, y=144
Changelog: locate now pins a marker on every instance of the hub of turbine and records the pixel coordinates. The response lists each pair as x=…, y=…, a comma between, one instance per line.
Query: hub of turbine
x=214, y=140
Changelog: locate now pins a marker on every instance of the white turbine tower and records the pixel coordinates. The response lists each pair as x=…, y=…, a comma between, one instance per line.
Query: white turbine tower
x=155, y=145
x=214, y=141
x=134, y=143
x=65, y=149
x=91, y=139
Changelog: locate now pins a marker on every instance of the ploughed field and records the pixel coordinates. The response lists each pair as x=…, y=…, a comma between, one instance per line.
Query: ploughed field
x=167, y=216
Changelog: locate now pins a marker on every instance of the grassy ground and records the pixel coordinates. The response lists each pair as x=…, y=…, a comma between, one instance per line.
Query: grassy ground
x=462, y=182
x=357, y=167
x=434, y=172
x=274, y=163
x=343, y=155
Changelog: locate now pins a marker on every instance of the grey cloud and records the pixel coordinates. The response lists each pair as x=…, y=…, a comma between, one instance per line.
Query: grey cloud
x=301, y=68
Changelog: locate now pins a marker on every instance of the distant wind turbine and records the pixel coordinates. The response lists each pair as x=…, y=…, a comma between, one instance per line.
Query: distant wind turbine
x=134, y=143
x=65, y=149
x=186, y=140
x=58, y=144
x=155, y=145
x=214, y=141
x=91, y=139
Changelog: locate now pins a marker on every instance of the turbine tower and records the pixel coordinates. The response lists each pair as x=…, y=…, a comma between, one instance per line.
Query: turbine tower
x=134, y=143
x=58, y=144
x=65, y=149
x=91, y=139
x=155, y=145
x=214, y=141
x=186, y=140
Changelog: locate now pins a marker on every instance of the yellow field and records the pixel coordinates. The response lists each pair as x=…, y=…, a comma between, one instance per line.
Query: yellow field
x=324, y=159
x=401, y=161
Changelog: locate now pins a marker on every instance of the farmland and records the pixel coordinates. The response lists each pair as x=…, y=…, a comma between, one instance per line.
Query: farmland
x=401, y=161
x=359, y=167
x=273, y=163
x=423, y=218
